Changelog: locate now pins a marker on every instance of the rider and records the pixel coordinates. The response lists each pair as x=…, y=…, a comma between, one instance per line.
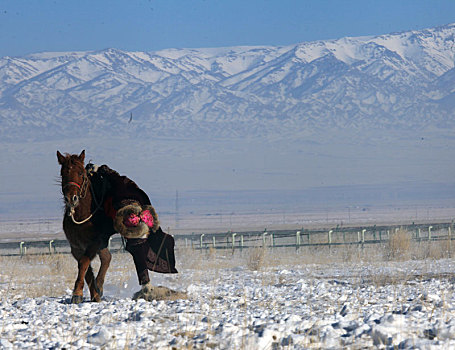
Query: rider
x=136, y=220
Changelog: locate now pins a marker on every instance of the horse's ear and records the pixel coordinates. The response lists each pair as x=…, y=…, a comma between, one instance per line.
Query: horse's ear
x=60, y=158
x=82, y=156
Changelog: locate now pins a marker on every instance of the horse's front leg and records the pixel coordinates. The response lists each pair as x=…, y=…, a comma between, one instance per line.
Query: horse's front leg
x=105, y=258
x=83, y=264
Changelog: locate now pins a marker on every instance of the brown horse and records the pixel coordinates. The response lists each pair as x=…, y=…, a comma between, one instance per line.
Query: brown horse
x=87, y=229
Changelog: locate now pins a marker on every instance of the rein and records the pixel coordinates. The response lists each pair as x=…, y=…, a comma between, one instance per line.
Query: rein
x=83, y=221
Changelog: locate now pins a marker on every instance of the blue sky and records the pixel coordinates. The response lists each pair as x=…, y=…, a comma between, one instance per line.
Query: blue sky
x=148, y=25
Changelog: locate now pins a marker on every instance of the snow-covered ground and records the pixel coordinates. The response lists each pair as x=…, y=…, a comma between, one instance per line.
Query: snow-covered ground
x=249, y=300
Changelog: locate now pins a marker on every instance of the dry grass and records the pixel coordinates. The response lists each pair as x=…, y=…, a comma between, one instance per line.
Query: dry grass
x=399, y=245
x=53, y=275
x=437, y=250
x=48, y=275
x=255, y=258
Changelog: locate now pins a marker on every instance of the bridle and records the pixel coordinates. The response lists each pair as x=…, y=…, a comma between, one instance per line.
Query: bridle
x=82, y=193
x=82, y=188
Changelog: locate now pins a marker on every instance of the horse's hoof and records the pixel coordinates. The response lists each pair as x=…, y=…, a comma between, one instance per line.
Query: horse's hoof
x=99, y=291
x=76, y=299
x=96, y=298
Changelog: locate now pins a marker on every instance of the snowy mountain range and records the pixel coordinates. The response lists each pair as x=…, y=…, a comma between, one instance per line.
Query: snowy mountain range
x=395, y=81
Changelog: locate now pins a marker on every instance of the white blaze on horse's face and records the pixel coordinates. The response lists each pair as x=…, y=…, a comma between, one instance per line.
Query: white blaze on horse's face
x=71, y=202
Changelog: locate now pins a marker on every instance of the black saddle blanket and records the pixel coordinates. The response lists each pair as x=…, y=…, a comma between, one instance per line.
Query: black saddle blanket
x=154, y=253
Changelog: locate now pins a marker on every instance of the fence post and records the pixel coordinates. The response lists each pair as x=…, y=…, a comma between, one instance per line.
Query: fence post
x=450, y=241
x=330, y=237
x=50, y=246
x=21, y=248
x=202, y=236
x=272, y=240
x=214, y=242
x=429, y=232
x=233, y=240
x=263, y=238
x=297, y=240
x=363, y=236
x=241, y=242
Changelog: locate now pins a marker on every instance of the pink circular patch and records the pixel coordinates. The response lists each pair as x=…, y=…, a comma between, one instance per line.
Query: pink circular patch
x=147, y=218
x=132, y=220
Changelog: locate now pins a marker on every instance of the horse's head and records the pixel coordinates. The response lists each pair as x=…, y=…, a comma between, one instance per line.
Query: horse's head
x=74, y=179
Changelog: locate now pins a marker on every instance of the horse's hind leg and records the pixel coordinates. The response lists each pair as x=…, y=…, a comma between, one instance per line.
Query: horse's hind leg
x=105, y=258
x=90, y=252
x=95, y=294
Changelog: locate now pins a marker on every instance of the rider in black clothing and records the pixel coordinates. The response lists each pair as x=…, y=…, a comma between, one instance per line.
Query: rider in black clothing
x=136, y=220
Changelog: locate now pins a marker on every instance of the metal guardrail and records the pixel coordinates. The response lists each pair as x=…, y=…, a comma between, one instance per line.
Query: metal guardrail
x=337, y=236
x=48, y=247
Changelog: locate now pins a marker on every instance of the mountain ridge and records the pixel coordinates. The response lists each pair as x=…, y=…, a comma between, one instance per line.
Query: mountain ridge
x=393, y=81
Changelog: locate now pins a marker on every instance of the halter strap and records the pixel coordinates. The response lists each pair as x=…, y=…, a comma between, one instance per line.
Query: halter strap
x=82, y=188
x=73, y=183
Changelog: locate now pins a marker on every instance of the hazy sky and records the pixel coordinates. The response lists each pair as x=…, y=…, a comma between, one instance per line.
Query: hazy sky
x=28, y=26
